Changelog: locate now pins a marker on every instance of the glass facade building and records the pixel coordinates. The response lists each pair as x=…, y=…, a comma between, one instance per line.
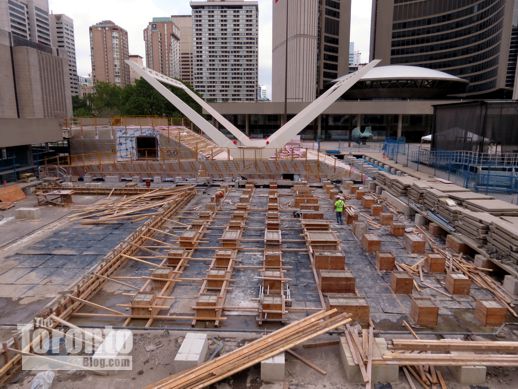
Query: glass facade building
x=473, y=39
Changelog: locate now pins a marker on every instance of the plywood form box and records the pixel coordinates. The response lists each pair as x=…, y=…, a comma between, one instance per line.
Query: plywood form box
x=223, y=258
x=490, y=313
x=216, y=278
x=174, y=257
x=206, y=306
x=336, y=281
x=424, y=312
x=385, y=261
x=272, y=281
x=368, y=201
x=272, y=306
x=457, y=283
x=386, y=219
x=356, y=306
x=401, y=282
x=329, y=260
x=371, y=243
x=435, y=263
x=141, y=304
x=160, y=276
x=397, y=229
x=360, y=193
x=350, y=218
x=312, y=215
x=376, y=210
x=415, y=244
x=456, y=245
x=272, y=259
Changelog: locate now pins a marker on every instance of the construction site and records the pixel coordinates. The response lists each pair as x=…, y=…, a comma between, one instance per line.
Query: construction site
x=226, y=263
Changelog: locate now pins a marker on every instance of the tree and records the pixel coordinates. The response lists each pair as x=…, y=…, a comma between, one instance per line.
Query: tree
x=140, y=99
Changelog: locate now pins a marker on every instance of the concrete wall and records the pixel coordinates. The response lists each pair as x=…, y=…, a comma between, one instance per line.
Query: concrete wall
x=41, y=84
x=15, y=132
x=7, y=94
x=302, y=50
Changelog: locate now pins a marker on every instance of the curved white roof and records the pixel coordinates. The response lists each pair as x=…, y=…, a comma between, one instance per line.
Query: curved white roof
x=404, y=72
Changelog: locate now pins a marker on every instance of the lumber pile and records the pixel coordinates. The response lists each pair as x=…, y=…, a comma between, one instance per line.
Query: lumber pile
x=494, y=207
x=474, y=225
x=456, y=264
x=131, y=208
x=263, y=348
x=11, y=193
x=448, y=352
x=416, y=191
x=503, y=238
x=364, y=350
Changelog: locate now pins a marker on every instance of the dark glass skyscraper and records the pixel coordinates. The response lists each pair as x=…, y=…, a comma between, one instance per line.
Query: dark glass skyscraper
x=473, y=39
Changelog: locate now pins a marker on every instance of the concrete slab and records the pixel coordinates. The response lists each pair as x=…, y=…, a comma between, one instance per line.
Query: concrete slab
x=192, y=352
x=273, y=369
x=511, y=285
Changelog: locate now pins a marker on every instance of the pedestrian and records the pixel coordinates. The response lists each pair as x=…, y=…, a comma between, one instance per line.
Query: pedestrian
x=339, y=209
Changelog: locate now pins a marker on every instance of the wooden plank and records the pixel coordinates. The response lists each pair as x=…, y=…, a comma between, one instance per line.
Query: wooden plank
x=306, y=362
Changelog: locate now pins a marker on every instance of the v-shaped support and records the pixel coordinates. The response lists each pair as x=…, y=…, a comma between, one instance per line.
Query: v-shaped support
x=279, y=138
x=245, y=140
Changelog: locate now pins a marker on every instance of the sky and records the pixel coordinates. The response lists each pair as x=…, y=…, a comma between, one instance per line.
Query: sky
x=134, y=16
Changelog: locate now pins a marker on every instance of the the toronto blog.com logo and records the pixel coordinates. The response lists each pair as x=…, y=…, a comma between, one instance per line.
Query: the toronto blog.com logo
x=44, y=347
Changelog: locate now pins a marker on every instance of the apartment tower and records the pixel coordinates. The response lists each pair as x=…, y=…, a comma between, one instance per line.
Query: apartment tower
x=109, y=50
x=184, y=23
x=63, y=37
x=162, y=39
x=473, y=39
x=318, y=46
x=225, y=49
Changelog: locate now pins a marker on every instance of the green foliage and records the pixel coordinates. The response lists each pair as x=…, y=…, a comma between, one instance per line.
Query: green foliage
x=140, y=99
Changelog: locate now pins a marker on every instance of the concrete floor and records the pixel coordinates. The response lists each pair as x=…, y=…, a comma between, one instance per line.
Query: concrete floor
x=35, y=270
x=42, y=259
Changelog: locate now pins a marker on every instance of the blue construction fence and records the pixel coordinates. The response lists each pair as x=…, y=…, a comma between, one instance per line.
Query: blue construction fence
x=480, y=172
x=394, y=147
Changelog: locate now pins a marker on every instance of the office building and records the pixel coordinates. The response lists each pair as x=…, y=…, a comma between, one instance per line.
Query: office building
x=63, y=38
x=225, y=49
x=162, y=39
x=33, y=73
x=318, y=46
x=35, y=91
x=139, y=61
x=184, y=23
x=473, y=39
x=109, y=50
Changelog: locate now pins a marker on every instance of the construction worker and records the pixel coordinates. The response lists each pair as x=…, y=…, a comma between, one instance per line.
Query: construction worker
x=218, y=196
x=339, y=209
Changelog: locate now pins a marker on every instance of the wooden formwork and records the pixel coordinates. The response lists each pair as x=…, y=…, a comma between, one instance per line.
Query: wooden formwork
x=211, y=297
x=64, y=307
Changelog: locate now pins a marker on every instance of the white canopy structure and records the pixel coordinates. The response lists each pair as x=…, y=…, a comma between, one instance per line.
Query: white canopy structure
x=278, y=140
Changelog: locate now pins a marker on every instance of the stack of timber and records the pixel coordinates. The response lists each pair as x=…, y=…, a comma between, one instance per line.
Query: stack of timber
x=456, y=264
x=132, y=208
x=364, y=350
x=416, y=191
x=431, y=197
x=474, y=225
x=244, y=357
x=462, y=197
x=382, y=178
x=398, y=185
x=494, y=207
x=503, y=238
x=448, y=352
